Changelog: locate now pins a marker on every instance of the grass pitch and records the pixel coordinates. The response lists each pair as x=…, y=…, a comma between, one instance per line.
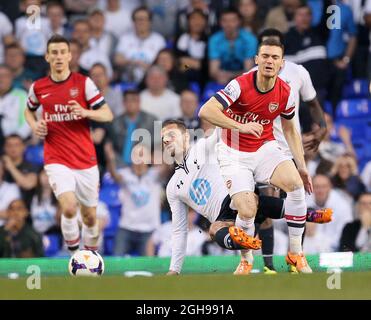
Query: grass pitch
x=353, y=285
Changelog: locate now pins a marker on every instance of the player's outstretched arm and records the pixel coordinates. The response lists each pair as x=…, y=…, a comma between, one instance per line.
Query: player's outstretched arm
x=296, y=148
x=103, y=114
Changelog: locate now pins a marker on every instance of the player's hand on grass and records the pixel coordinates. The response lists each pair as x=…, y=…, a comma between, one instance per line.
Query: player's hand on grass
x=253, y=128
x=307, y=180
x=77, y=109
x=40, y=129
x=172, y=273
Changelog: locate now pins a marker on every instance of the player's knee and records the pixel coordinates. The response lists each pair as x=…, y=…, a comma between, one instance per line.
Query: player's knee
x=89, y=220
x=70, y=210
x=294, y=184
x=247, y=209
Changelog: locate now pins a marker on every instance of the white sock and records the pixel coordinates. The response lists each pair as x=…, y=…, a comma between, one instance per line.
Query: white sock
x=90, y=237
x=295, y=243
x=249, y=227
x=70, y=231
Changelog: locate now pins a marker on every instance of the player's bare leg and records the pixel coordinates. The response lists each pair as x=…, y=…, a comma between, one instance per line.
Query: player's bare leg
x=90, y=228
x=246, y=205
x=286, y=177
x=69, y=222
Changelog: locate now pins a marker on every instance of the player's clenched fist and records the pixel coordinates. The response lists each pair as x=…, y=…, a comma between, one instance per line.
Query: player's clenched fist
x=77, y=109
x=253, y=128
x=41, y=129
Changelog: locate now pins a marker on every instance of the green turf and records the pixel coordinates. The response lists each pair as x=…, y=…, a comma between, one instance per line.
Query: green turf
x=354, y=285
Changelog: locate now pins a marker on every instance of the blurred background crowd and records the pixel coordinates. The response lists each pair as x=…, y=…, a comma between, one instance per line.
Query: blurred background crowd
x=159, y=59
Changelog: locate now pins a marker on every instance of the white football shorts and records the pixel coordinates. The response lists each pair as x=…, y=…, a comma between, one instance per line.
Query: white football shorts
x=241, y=170
x=84, y=183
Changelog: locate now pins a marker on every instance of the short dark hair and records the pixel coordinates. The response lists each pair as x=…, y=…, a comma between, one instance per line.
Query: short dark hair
x=231, y=10
x=54, y=4
x=142, y=8
x=270, y=32
x=14, y=136
x=13, y=45
x=100, y=65
x=179, y=123
x=57, y=38
x=131, y=91
x=272, y=42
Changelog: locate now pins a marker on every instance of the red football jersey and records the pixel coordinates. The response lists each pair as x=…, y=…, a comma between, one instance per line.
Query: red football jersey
x=243, y=102
x=68, y=141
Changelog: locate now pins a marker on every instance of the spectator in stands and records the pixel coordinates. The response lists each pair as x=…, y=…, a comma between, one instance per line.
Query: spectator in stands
x=12, y=106
x=124, y=126
x=15, y=60
x=281, y=17
x=33, y=39
x=17, y=169
x=189, y=105
x=6, y=34
x=191, y=48
x=140, y=196
x=231, y=50
x=306, y=45
x=90, y=54
x=57, y=19
x=78, y=8
x=164, y=16
x=157, y=100
x=356, y=235
x=8, y=193
x=177, y=81
x=345, y=176
x=182, y=17
x=118, y=18
x=341, y=45
x=100, y=38
x=76, y=51
x=17, y=238
x=249, y=15
x=44, y=207
x=113, y=97
x=137, y=50
x=366, y=176
x=324, y=196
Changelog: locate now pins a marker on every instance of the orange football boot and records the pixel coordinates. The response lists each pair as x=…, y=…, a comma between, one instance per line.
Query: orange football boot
x=320, y=215
x=244, y=240
x=244, y=268
x=299, y=262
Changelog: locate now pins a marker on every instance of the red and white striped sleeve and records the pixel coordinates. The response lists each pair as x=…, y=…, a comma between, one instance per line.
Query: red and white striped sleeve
x=289, y=111
x=93, y=96
x=229, y=94
x=32, y=101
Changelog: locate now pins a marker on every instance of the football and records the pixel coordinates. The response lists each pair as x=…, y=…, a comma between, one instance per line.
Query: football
x=86, y=263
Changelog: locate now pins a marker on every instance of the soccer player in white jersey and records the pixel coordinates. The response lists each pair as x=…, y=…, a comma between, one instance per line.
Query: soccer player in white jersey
x=69, y=100
x=198, y=184
x=248, y=152
x=298, y=78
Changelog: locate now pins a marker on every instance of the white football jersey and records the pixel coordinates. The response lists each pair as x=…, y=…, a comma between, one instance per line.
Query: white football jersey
x=196, y=183
x=298, y=78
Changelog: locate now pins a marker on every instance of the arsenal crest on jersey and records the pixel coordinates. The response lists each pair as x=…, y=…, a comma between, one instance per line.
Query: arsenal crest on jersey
x=273, y=106
x=74, y=92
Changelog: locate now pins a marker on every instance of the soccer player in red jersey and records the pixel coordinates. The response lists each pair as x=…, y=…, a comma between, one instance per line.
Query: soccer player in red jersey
x=249, y=153
x=69, y=100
